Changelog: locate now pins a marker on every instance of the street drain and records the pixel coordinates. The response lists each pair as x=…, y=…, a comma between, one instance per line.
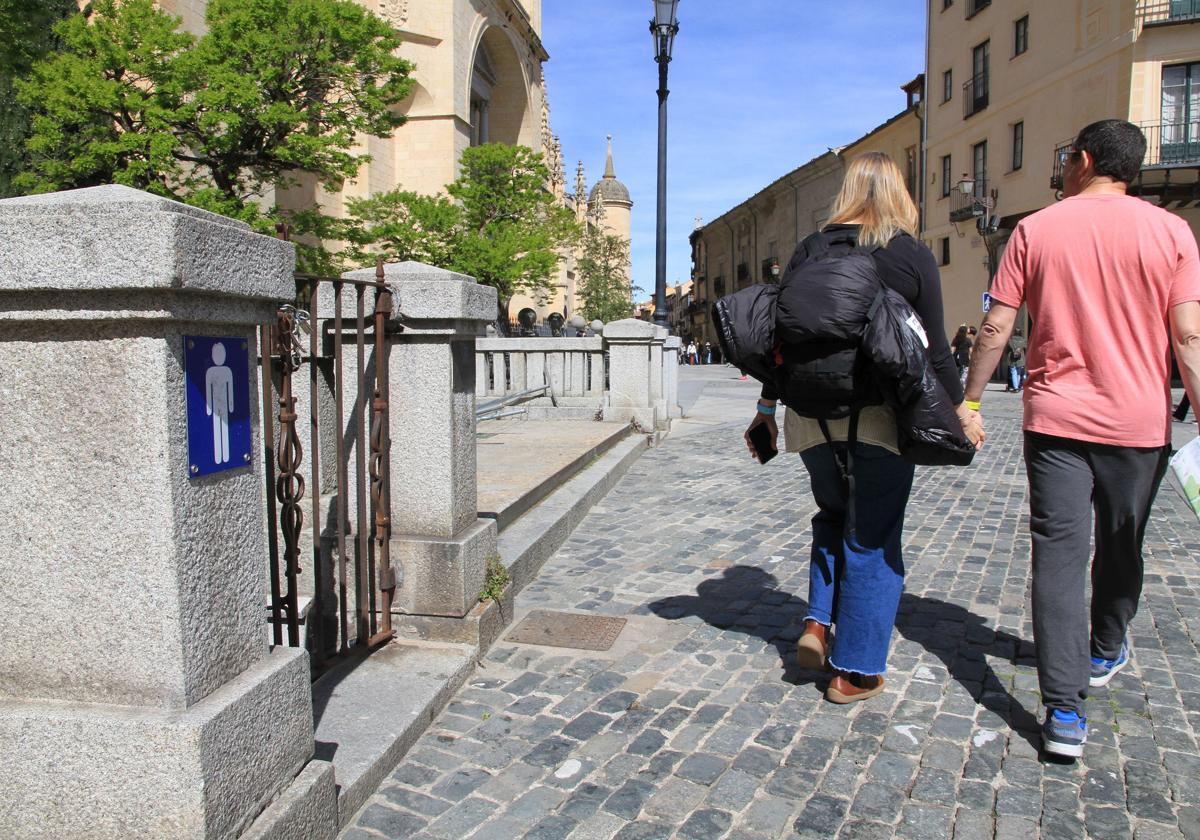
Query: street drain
x=567, y=630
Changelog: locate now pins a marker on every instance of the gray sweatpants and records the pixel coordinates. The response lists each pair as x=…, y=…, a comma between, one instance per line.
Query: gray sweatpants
x=1069, y=480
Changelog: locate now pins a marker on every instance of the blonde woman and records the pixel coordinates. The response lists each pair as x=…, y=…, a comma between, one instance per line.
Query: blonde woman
x=855, y=580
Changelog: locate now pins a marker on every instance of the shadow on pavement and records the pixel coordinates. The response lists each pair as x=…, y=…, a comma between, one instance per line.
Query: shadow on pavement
x=747, y=599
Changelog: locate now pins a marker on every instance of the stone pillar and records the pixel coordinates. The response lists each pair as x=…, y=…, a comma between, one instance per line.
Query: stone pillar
x=439, y=544
x=630, y=369
x=658, y=384
x=671, y=374
x=138, y=695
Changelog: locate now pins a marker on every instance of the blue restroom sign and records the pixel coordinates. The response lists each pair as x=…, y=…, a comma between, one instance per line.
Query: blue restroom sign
x=217, y=376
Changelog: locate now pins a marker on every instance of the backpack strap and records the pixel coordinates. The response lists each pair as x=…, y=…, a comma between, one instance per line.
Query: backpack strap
x=845, y=467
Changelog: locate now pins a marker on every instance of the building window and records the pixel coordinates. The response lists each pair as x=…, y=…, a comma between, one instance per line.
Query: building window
x=944, y=250
x=974, y=7
x=945, y=175
x=947, y=85
x=946, y=4
x=1018, y=138
x=975, y=91
x=979, y=166
x=1180, y=114
x=1021, y=35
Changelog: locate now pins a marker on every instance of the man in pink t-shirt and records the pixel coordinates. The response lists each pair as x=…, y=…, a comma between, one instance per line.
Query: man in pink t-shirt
x=1109, y=281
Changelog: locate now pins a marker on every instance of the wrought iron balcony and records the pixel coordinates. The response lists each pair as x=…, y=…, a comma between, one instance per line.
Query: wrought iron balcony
x=1060, y=161
x=975, y=95
x=743, y=272
x=1155, y=12
x=1172, y=144
x=965, y=206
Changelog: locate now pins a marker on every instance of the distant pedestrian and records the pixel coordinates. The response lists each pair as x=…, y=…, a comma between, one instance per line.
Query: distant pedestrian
x=1110, y=281
x=856, y=571
x=692, y=353
x=708, y=352
x=1016, y=363
x=960, y=348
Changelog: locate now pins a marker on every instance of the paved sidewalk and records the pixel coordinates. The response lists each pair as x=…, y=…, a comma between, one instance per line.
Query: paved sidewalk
x=697, y=724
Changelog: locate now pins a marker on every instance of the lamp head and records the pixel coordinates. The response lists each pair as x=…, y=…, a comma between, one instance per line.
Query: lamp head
x=663, y=28
x=967, y=184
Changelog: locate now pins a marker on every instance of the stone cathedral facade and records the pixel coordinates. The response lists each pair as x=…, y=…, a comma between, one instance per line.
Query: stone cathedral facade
x=478, y=79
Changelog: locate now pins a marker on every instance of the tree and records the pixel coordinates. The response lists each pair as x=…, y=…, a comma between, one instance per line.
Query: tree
x=503, y=227
x=603, y=271
x=401, y=225
x=274, y=88
x=513, y=232
x=26, y=36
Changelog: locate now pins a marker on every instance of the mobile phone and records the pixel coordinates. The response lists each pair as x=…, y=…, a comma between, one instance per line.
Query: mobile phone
x=760, y=439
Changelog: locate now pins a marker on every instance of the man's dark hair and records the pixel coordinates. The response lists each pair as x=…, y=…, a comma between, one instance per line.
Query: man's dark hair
x=1116, y=146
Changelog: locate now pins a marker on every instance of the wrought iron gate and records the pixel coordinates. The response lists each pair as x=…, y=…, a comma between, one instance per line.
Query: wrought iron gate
x=348, y=588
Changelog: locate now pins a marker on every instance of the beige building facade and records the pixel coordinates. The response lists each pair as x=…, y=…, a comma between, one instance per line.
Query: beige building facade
x=477, y=79
x=1011, y=81
x=752, y=242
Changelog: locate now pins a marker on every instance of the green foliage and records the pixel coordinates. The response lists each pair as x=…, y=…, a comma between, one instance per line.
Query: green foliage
x=274, y=88
x=26, y=36
x=603, y=272
x=400, y=226
x=513, y=231
x=504, y=227
x=494, y=580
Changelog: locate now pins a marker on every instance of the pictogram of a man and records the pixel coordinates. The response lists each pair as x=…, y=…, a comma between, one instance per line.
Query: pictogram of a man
x=218, y=402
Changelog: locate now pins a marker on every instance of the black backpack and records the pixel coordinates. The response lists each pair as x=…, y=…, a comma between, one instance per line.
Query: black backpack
x=825, y=303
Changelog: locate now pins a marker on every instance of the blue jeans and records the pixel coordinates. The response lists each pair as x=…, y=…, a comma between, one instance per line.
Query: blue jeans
x=855, y=580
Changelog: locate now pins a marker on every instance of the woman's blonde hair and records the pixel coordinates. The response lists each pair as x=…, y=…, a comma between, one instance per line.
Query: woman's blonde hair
x=873, y=195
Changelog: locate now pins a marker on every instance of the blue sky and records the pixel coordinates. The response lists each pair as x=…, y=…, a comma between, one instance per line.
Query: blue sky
x=758, y=88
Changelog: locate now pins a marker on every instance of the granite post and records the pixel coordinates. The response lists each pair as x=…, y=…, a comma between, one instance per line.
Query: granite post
x=439, y=544
x=138, y=694
x=658, y=383
x=630, y=371
x=671, y=374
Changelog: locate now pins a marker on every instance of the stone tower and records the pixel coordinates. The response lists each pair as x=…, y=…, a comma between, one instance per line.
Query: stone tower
x=609, y=201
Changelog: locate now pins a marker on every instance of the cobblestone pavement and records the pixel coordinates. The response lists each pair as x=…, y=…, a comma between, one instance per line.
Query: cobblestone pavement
x=697, y=724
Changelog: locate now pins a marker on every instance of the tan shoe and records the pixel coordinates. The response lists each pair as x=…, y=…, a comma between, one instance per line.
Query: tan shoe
x=849, y=688
x=812, y=647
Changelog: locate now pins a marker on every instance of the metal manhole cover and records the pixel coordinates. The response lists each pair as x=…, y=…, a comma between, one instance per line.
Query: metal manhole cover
x=567, y=630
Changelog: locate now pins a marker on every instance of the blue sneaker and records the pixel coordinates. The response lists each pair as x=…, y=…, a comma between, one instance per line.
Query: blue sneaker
x=1064, y=733
x=1103, y=670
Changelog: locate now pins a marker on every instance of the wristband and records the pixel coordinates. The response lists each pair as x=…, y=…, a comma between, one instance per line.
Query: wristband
x=973, y=405
x=766, y=409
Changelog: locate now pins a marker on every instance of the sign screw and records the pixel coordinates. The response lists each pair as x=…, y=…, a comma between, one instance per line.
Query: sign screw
x=246, y=457
x=191, y=344
x=195, y=469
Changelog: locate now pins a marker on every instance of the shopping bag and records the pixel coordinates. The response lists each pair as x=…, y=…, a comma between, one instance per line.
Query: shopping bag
x=1186, y=465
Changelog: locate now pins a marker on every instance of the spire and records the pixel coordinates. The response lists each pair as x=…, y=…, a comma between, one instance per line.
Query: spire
x=580, y=183
x=608, y=166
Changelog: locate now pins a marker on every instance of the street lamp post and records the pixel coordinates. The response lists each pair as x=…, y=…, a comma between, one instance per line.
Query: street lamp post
x=663, y=28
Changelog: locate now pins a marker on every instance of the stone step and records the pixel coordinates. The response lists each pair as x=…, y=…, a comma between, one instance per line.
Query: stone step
x=507, y=507
x=369, y=711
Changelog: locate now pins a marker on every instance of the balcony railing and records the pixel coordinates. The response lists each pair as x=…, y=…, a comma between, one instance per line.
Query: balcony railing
x=974, y=7
x=1172, y=144
x=975, y=95
x=969, y=205
x=1168, y=145
x=1060, y=161
x=1154, y=12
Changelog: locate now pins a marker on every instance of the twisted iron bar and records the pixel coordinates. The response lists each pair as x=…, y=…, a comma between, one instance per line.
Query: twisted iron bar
x=380, y=459
x=289, y=485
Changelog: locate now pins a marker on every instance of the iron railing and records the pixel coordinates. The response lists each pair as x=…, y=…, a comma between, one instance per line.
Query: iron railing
x=1153, y=12
x=1168, y=145
x=969, y=205
x=352, y=584
x=975, y=94
x=1060, y=161
x=1172, y=144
